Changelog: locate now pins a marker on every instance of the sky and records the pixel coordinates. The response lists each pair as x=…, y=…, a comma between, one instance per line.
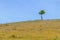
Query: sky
x=24, y=10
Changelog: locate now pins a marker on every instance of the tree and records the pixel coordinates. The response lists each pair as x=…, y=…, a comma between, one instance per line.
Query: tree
x=41, y=13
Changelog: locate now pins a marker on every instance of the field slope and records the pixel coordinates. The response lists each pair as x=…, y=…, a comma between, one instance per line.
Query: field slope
x=31, y=30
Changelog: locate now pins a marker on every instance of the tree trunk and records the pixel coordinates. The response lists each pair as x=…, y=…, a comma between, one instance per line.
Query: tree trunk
x=41, y=17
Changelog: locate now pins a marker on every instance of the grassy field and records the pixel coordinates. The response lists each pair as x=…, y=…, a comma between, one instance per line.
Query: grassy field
x=31, y=30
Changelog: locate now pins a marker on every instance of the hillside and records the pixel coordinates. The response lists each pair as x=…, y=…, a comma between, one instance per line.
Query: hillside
x=31, y=30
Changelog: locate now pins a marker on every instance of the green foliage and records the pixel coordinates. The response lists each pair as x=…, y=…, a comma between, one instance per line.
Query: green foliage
x=42, y=12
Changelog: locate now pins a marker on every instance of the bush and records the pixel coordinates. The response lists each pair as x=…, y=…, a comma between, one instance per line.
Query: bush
x=55, y=39
x=13, y=36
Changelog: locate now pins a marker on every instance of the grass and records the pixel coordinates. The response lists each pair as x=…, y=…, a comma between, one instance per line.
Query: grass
x=31, y=30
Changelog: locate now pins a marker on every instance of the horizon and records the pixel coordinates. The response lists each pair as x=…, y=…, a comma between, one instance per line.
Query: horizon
x=21, y=10
x=32, y=21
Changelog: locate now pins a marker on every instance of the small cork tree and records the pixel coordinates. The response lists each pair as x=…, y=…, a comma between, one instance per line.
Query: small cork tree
x=41, y=13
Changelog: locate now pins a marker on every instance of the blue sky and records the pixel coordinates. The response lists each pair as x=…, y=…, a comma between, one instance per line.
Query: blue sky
x=23, y=10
